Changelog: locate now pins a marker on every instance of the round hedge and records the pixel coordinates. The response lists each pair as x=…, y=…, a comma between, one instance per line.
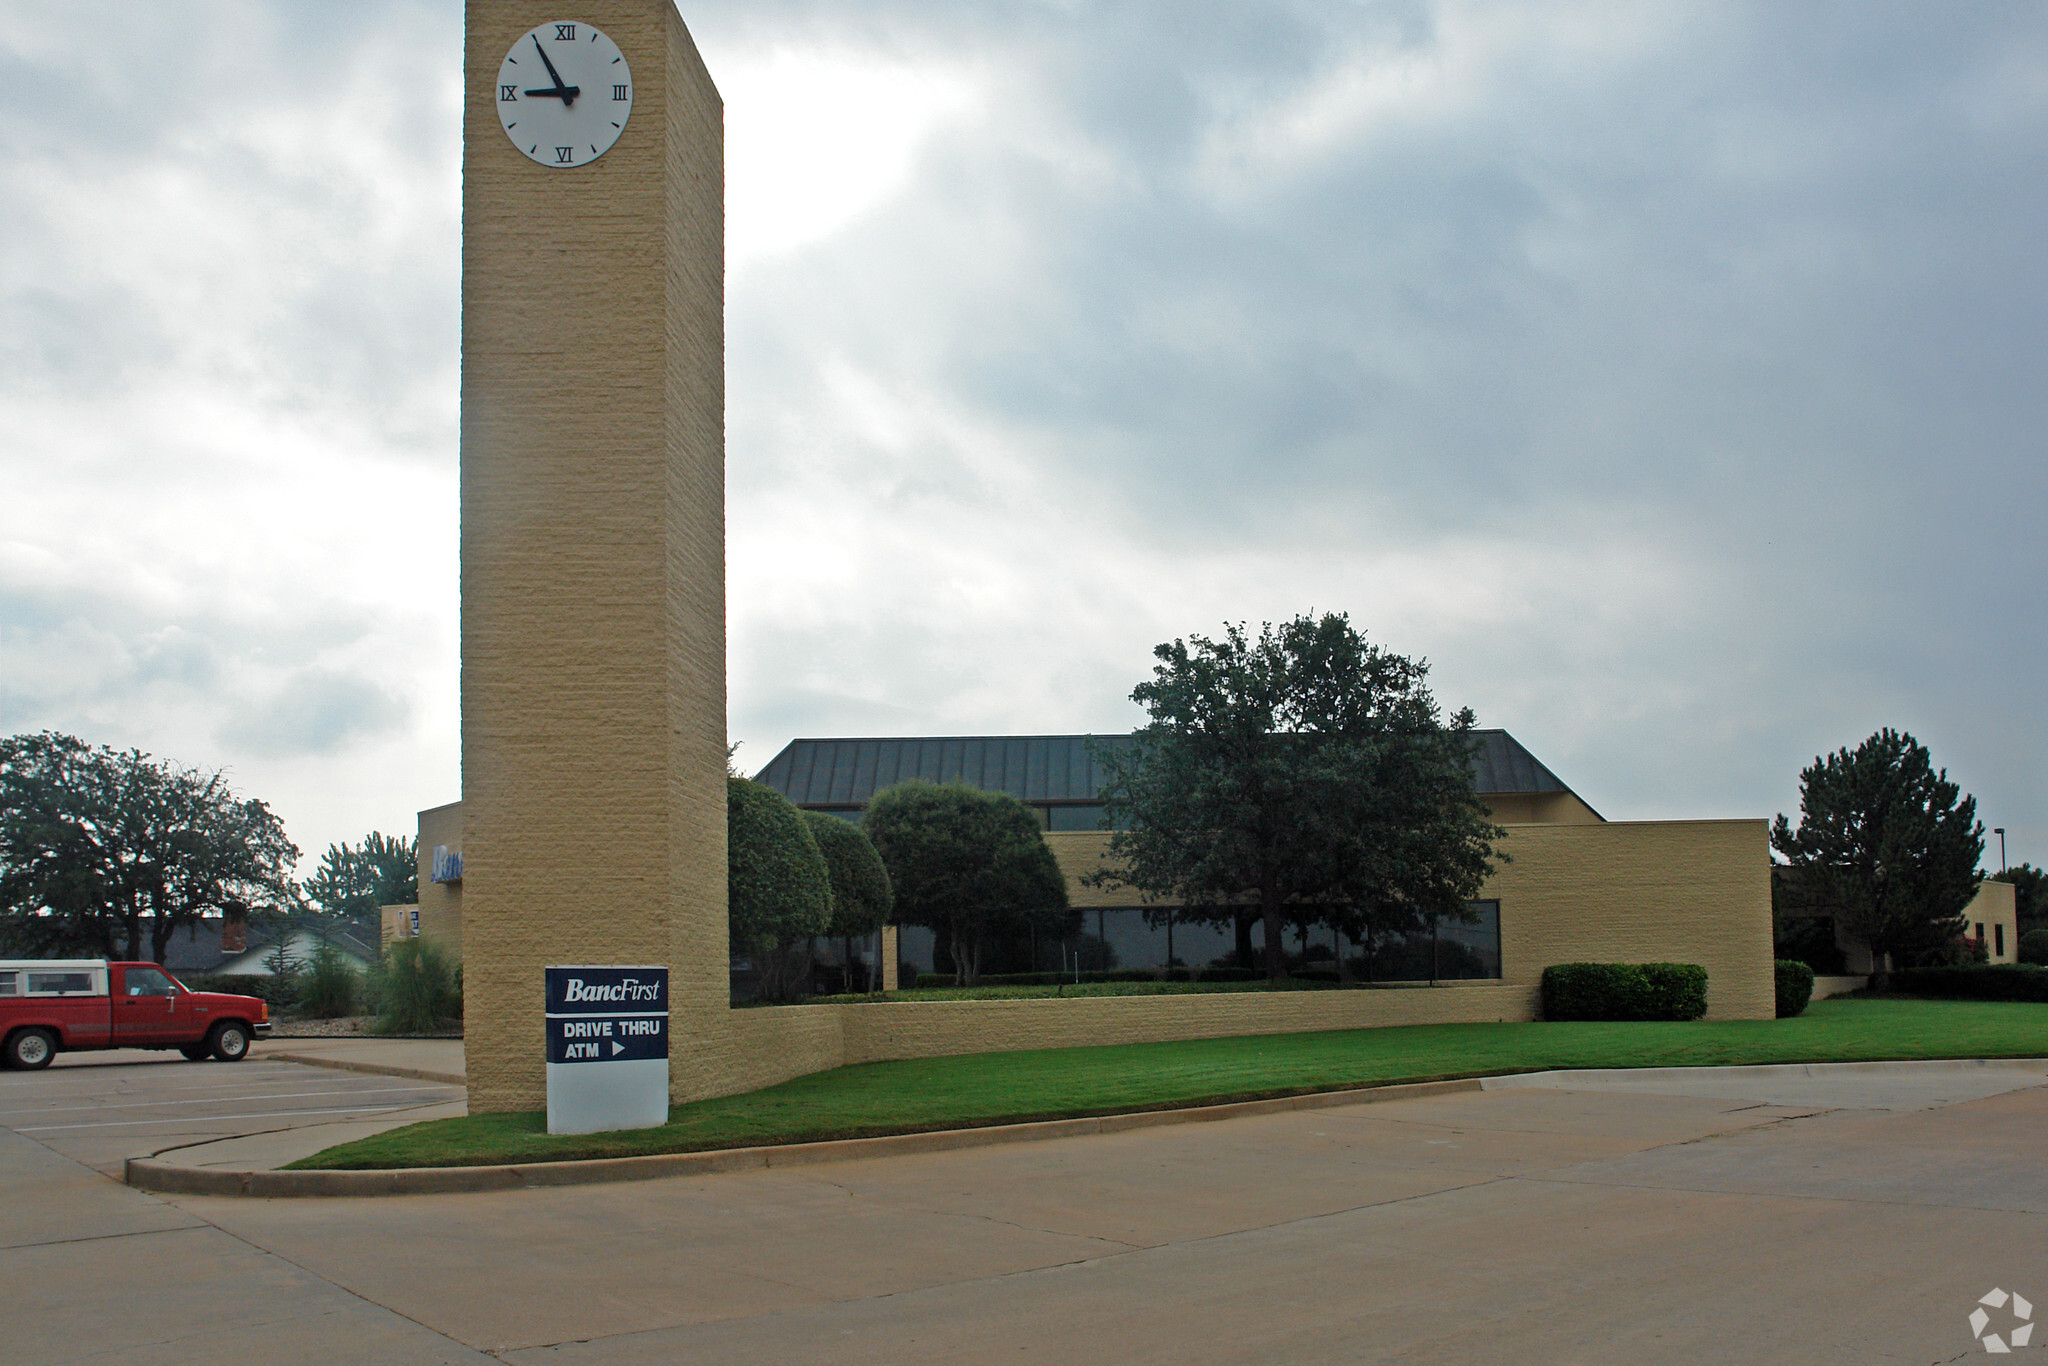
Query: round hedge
x=1795, y=987
x=777, y=886
x=861, y=899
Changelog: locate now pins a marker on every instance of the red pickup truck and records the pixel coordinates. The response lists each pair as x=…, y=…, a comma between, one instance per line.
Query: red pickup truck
x=50, y=1007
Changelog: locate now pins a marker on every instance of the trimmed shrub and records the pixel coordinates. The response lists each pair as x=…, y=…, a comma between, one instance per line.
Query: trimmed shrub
x=417, y=991
x=778, y=889
x=1624, y=991
x=1996, y=982
x=327, y=987
x=861, y=899
x=1795, y=987
x=2033, y=946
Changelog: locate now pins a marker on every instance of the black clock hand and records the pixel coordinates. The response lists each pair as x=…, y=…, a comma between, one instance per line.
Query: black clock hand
x=562, y=88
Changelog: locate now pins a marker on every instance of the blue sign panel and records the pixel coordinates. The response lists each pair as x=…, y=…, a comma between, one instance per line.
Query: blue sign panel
x=603, y=1014
x=609, y=1038
x=607, y=991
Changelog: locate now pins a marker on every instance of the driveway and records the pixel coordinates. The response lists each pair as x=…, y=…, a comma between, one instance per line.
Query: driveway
x=1750, y=1215
x=103, y=1108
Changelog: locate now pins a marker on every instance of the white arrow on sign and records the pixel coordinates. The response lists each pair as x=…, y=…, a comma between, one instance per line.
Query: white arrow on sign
x=617, y=1048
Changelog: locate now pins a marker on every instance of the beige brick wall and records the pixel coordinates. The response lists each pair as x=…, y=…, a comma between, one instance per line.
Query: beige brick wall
x=1620, y=891
x=1643, y=891
x=440, y=902
x=593, y=681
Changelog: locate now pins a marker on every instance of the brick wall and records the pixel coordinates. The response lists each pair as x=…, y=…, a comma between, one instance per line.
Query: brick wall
x=593, y=593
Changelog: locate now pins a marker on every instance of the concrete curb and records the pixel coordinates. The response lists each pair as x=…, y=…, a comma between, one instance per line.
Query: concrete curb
x=168, y=1178
x=1755, y=1071
x=377, y=1069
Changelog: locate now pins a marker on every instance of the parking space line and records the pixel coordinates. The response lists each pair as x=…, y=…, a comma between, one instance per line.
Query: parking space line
x=201, y=1119
x=222, y=1100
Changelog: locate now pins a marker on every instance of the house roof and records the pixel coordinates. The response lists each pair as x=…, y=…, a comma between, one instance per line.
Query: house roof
x=1041, y=768
x=196, y=947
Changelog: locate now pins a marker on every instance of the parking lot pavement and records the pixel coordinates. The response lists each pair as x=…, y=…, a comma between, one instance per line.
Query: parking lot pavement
x=100, y=1109
x=1533, y=1224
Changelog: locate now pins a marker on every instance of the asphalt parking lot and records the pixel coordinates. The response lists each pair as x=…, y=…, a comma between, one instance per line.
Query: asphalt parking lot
x=1741, y=1216
x=102, y=1108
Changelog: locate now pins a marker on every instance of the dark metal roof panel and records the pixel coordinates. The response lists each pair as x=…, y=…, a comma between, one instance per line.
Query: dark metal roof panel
x=1040, y=768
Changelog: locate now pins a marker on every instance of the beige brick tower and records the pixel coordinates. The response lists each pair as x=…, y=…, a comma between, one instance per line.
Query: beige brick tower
x=593, y=548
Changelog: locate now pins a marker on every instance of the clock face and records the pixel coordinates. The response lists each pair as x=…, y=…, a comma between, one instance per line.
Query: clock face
x=564, y=93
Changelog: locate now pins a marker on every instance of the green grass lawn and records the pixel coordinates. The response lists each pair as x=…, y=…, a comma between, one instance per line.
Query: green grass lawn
x=1005, y=1088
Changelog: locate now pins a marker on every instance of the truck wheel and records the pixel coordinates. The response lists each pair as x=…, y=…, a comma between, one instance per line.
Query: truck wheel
x=229, y=1041
x=31, y=1049
x=196, y=1052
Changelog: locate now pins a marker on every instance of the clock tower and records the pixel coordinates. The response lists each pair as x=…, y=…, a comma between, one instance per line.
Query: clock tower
x=593, y=522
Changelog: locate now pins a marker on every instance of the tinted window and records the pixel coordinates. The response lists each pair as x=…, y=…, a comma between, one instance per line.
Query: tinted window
x=1077, y=817
x=1458, y=950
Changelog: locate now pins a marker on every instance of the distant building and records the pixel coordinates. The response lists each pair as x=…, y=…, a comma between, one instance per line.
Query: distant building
x=1578, y=886
x=232, y=948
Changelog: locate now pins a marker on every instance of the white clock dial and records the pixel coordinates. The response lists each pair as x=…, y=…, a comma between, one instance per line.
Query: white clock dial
x=564, y=92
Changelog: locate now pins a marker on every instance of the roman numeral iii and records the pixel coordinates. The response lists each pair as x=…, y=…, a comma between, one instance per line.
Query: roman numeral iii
x=618, y=92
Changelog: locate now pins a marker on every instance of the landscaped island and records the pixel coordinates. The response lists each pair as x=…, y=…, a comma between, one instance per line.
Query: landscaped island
x=1007, y=1088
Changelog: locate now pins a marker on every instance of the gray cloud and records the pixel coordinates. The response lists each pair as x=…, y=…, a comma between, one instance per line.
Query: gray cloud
x=316, y=711
x=1667, y=376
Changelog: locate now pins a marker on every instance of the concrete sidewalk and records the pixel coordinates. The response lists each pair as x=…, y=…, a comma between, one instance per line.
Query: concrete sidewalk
x=429, y=1059
x=1844, y=1221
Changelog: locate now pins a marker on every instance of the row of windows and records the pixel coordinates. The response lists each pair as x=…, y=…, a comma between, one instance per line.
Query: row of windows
x=1455, y=950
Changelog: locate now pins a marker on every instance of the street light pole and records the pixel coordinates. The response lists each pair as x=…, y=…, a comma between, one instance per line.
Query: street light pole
x=1999, y=831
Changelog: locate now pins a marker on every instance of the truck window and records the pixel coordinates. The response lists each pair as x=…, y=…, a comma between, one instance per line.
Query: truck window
x=10, y=983
x=59, y=983
x=149, y=982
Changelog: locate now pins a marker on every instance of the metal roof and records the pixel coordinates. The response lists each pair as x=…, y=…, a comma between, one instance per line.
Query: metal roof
x=1040, y=768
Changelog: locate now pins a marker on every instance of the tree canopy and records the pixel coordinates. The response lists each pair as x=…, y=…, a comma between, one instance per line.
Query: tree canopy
x=778, y=889
x=354, y=881
x=109, y=852
x=1887, y=842
x=1302, y=769
x=967, y=863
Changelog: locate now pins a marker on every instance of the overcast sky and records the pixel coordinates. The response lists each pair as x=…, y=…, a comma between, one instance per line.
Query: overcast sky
x=1671, y=376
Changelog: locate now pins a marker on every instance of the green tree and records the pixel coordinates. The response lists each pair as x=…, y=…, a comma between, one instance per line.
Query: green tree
x=861, y=897
x=969, y=864
x=354, y=881
x=2029, y=894
x=1304, y=772
x=1888, y=842
x=109, y=853
x=778, y=888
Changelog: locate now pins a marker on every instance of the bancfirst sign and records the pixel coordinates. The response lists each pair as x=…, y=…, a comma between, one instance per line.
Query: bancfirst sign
x=607, y=1047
